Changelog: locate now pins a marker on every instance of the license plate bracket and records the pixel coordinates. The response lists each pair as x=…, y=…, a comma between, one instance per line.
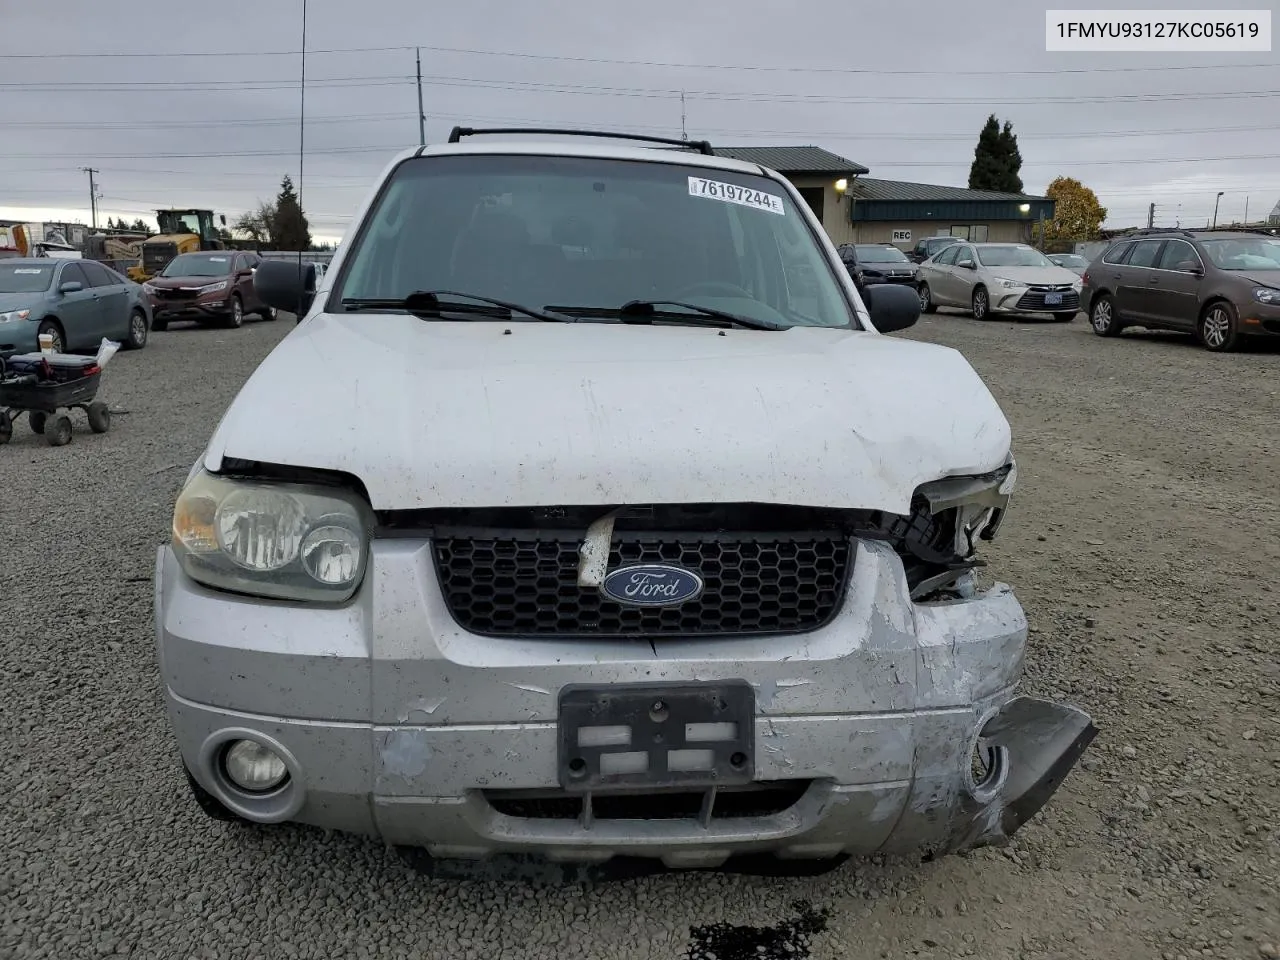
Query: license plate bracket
x=656, y=735
x=1052, y=299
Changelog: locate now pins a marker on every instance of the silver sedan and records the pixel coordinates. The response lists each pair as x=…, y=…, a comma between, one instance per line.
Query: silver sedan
x=998, y=278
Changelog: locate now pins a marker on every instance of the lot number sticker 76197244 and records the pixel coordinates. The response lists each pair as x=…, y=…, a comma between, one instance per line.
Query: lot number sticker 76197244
x=732, y=193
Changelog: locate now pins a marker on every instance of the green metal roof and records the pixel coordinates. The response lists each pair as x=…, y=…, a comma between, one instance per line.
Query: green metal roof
x=901, y=190
x=794, y=161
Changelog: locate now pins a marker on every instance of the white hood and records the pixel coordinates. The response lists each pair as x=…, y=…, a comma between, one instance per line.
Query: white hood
x=469, y=414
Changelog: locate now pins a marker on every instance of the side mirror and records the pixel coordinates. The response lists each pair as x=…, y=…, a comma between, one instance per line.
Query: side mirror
x=967, y=264
x=283, y=286
x=71, y=286
x=892, y=306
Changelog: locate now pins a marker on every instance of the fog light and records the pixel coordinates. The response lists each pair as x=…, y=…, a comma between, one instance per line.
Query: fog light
x=253, y=767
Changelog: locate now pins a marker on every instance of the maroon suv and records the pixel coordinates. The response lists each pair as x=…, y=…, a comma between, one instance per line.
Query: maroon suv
x=214, y=286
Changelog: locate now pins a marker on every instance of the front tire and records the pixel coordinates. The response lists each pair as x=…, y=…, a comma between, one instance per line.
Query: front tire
x=267, y=313
x=926, y=299
x=1102, y=316
x=54, y=330
x=235, y=318
x=57, y=430
x=137, y=338
x=981, y=303
x=1219, y=328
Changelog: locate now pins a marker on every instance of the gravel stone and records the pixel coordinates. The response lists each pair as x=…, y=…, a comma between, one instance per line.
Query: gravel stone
x=1167, y=847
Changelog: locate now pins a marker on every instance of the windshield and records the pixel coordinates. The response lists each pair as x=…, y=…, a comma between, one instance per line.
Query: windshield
x=593, y=234
x=1012, y=256
x=1070, y=260
x=197, y=265
x=1239, y=253
x=876, y=254
x=24, y=277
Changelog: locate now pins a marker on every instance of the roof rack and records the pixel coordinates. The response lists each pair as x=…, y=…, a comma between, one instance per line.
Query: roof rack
x=1148, y=231
x=702, y=146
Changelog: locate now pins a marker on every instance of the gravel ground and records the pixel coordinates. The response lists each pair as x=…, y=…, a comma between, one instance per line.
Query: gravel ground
x=1143, y=544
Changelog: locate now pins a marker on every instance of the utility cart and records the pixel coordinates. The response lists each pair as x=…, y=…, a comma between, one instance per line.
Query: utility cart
x=47, y=387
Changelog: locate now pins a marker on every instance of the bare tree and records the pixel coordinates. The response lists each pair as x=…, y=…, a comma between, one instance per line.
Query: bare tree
x=257, y=223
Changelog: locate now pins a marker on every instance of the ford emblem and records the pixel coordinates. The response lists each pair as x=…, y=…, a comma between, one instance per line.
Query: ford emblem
x=652, y=585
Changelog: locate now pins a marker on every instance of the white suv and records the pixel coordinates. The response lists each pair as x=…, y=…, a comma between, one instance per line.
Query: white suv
x=587, y=515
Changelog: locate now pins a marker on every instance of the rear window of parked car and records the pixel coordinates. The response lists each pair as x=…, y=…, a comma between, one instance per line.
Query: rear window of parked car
x=1116, y=253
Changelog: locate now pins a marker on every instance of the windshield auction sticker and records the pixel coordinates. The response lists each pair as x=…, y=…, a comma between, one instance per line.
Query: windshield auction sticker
x=732, y=193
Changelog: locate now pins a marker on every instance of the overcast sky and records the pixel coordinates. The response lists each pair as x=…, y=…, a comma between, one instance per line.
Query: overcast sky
x=902, y=88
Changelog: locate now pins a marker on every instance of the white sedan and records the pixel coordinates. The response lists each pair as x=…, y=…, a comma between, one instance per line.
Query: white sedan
x=998, y=278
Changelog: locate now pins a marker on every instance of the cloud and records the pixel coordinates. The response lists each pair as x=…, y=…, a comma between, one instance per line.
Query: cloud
x=901, y=90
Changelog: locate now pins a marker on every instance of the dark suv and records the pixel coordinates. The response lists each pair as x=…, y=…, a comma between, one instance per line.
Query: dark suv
x=877, y=263
x=929, y=247
x=1221, y=286
x=210, y=287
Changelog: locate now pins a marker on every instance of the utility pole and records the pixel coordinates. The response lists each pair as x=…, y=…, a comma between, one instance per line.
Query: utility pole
x=684, y=133
x=1246, y=211
x=1215, y=207
x=93, y=195
x=1151, y=216
x=422, y=119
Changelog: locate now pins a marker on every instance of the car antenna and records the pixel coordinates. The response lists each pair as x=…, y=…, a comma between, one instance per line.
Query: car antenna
x=302, y=132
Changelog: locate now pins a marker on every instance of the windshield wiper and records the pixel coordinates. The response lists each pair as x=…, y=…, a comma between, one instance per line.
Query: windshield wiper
x=427, y=303
x=646, y=311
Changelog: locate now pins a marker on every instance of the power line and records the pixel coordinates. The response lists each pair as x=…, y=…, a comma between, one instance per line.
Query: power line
x=399, y=147
x=615, y=61
x=530, y=86
x=842, y=135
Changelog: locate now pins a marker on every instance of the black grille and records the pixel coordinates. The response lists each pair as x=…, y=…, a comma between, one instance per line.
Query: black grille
x=525, y=583
x=1034, y=298
x=155, y=256
x=164, y=293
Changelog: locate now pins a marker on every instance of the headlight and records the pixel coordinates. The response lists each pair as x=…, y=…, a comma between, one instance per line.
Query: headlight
x=1266, y=295
x=148, y=288
x=214, y=287
x=14, y=316
x=1009, y=284
x=282, y=540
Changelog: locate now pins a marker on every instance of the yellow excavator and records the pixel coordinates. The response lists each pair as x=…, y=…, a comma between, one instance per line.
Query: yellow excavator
x=181, y=231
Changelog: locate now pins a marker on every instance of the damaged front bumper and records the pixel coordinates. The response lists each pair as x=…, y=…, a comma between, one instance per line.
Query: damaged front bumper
x=395, y=722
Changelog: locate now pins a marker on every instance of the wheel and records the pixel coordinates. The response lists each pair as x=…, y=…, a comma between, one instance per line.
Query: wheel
x=6, y=427
x=158, y=324
x=137, y=338
x=1064, y=317
x=57, y=430
x=37, y=420
x=208, y=803
x=99, y=416
x=52, y=329
x=926, y=299
x=1218, y=329
x=236, y=317
x=267, y=313
x=980, y=303
x=1102, y=317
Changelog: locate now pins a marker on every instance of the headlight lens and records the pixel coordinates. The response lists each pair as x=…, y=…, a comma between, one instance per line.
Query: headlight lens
x=281, y=540
x=1266, y=295
x=1009, y=284
x=148, y=288
x=14, y=316
x=214, y=287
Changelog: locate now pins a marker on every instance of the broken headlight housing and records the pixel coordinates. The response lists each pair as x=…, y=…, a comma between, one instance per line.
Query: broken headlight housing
x=938, y=542
x=286, y=541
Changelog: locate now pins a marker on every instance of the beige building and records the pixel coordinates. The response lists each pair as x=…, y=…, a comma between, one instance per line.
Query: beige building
x=856, y=209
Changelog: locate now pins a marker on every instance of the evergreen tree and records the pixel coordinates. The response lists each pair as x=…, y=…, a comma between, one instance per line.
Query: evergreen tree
x=996, y=159
x=290, y=230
